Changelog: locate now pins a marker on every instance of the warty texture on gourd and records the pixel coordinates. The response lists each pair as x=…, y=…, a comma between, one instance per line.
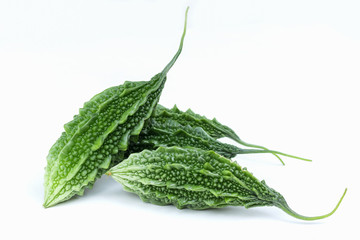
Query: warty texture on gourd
x=196, y=179
x=212, y=127
x=103, y=128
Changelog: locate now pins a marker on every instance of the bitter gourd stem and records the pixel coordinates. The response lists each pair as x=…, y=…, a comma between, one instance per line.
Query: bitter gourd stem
x=238, y=140
x=275, y=153
x=288, y=155
x=283, y=206
x=171, y=63
x=249, y=151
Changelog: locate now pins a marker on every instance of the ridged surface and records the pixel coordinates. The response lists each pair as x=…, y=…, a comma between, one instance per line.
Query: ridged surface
x=169, y=133
x=214, y=128
x=192, y=178
x=85, y=114
x=95, y=138
x=82, y=157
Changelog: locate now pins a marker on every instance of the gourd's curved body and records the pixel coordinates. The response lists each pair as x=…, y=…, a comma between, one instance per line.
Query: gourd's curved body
x=197, y=179
x=76, y=159
x=93, y=139
x=192, y=178
x=212, y=127
x=169, y=133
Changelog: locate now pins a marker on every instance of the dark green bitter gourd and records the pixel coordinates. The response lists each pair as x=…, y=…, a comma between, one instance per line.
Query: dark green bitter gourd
x=171, y=133
x=213, y=127
x=93, y=139
x=196, y=179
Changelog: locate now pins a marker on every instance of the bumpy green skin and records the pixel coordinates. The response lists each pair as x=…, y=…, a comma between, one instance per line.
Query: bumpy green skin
x=84, y=115
x=169, y=133
x=214, y=128
x=96, y=138
x=85, y=149
x=197, y=179
x=192, y=178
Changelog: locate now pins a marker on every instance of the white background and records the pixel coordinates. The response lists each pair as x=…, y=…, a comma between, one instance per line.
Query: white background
x=283, y=74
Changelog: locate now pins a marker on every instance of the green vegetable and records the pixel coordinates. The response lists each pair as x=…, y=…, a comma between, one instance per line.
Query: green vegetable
x=93, y=139
x=171, y=133
x=213, y=127
x=196, y=179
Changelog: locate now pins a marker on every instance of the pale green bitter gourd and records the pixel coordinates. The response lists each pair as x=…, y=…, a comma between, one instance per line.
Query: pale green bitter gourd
x=196, y=179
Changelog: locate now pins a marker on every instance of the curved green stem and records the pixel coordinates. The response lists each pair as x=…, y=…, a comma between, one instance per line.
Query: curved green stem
x=275, y=153
x=291, y=156
x=257, y=146
x=283, y=206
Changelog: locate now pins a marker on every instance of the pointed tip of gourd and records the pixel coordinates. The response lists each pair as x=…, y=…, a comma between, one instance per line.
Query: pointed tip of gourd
x=47, y=204
x=49, y=201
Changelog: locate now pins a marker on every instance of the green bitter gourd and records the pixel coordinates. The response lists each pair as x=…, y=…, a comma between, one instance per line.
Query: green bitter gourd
x=196, y=179
x=171, y=133
x=94, y=138
x=213, y=127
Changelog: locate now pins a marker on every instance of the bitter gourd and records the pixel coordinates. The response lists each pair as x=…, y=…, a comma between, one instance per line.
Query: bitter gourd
x=196, y=179
x=94, y=138
x=169, y=133
x=213, y=127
